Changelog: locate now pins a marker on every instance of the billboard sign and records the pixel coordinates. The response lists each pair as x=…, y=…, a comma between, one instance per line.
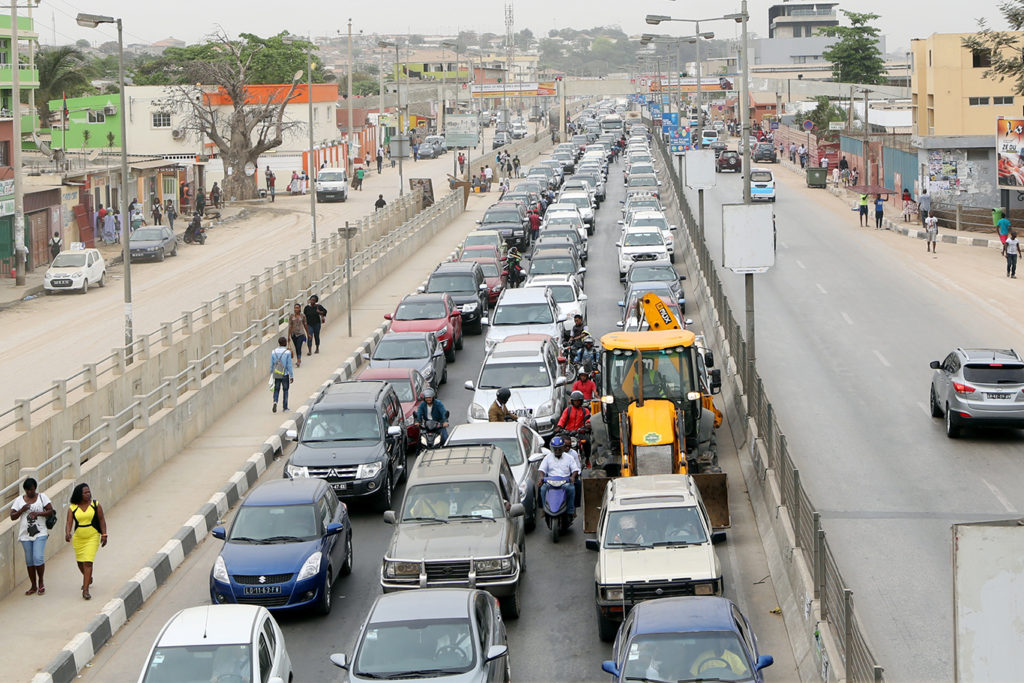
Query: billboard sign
x=679, y=141
x=748, y=237
x=669, y=120
x=1009, y=147
x=512, y=89
x=461, y=130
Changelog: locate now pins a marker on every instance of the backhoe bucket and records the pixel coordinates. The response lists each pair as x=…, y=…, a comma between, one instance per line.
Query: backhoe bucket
x=714, y=489
x=593, y=496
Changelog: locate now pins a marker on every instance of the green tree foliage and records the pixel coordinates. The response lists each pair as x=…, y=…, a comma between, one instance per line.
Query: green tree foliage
x=362, y=84
x=855, y=55
x=1001, y=49
x=824, y=112
x=524, y=40
x=62, y=70
x=592, y=52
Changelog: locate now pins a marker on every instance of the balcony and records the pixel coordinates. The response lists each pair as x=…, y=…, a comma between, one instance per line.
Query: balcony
x=29, y=78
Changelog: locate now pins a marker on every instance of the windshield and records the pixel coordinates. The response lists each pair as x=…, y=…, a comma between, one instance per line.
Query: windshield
x=642, y=239
x=420, y=310
x=444, y=501
x=400, y=349
x=462, y=282
x=268, y=523
x=652, y=274
x=65, y=260
x=416, y=649
x=549, y=266
x=994, y=374
x=666, y=373
x=655, y=221
x=490, y=269
x=502, y=217
x=642, y=168
x=654, y=526
x=200, y=663
x=696, y=655
x=578, y=202
x=331, y=177
x=564, y=218
x=341, y=425
x=563, y=294
x=522, y=314
x=760, y=176
x=570, y=235
x=403, y=389
x=146, y=235
x=642, y=180
x=498, y=375
x=638, y=204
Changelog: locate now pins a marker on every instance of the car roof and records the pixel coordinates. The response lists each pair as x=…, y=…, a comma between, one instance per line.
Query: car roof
x=758, y=168
x=285, y=492
x=693, y=613
x=668, y=489
x=429, y=603
x=552, y=253
x=648, y=213
x=351, y=393
x=459, y=463
x=455, y=267
x=484, y=430
x=524, y=296
x=406, y=335
x=210, y=625
x=665, y=263
x=517, y=349
x=439, y=296
x=386, y=373
x=504, y=205
x=990, y=355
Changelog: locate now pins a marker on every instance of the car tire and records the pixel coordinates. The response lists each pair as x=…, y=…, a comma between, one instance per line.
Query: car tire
x=344, y=197
x=672, y=258
x=607, y=629
x=449, y=354
x=174, y=249
x=458, y=343
x=934, y=404
x=162, y=256
x=346, y=568
x=511, y=606
x=103, y=279
x=85, y=285
x=444, y=375
x=477, y=328
x=326, y=602
x=952, y=426
x=530, y=523
x=384, y=497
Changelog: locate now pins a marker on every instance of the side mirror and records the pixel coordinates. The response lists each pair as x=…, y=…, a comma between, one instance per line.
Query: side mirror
x=334, y=528
x=717, y=537
x=584, y=297
x=935, y=365
x=483, y=287
x=479, y=222
x=618, y=244
x=535, y=457
x=709, y=359
x=621, y=222
x=389, y=516
x=620, y=324
x=763, y=662
x=562, y=318
x=606, y=666
x=682, y=277
x=387, y=316
x=517, y=510
x=688, y=321
x=394, y=430
x=469, y=385
x=438, y=351
x=560, y=381
x=582, y=270
x=339, y=660
x=496, y=651
x=291, y=434
x=218, y=532
x=622, y=304
x=673, y=227
x=716, y=381
x=421, y=289
x=593, y=544
x=485, y=320
x=365, y=356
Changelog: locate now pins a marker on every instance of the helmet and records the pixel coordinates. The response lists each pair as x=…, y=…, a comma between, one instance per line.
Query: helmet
x=587, y=339
x=557, y=442
x=429, y=393
x=583, y=375
x=513, y=252
x=503, y=395
x=576, y=396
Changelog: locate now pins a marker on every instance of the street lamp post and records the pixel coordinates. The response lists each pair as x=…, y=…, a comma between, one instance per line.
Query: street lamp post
x=309, y=99
x=349, y=137
x=380, y=101
x=92, y=21
x=20, y=250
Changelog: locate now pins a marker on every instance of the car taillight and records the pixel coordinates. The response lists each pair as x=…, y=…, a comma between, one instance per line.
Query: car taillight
x=962, y=388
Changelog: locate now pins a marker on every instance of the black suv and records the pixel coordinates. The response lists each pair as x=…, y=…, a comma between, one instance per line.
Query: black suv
x=354, y=438
x=765, y=151
x=511, y=221
x=465, y=282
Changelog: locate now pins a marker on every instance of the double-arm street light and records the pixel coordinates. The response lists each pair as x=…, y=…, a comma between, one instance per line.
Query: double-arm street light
x=92, y=21
x=400, y=137
x=455, y=47
x=309, y=98
x=648, y=38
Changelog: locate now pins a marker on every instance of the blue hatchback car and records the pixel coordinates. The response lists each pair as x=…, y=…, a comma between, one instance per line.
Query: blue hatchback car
x=686, y=639
x=288, y=543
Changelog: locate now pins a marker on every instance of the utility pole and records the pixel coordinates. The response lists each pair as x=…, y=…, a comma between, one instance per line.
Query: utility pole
x=700, y=108
x=867, y=142
x=380, y=101
x=508, y=64
x=20, y=250
x=348, y=101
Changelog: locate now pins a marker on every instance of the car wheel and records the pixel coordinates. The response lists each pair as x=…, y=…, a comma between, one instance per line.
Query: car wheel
x=162, y=256
x=449, y=354
x=672, y=258
x=952, y=427
x=384, y=498
x=444, y=375
x=458, y=343
x=511, y=606
x=934, y=404
x=326, y=602
x=174, y=249
x=477, y=328
x=346, y=568
x=85, y=284
x=103, y=279
x=531, y=522
x=344, y=197
x=607, y=629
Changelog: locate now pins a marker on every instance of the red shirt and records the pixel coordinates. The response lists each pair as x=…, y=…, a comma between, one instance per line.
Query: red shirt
x=534, y=221
x=588, y=388
x=574, y=418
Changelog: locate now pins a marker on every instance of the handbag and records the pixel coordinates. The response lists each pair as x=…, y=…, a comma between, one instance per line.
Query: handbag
x=51, y=521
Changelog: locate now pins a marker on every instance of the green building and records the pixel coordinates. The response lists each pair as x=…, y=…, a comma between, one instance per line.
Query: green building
x=94, y=122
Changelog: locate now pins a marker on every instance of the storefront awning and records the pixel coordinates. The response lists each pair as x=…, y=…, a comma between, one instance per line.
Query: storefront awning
x=153, y=163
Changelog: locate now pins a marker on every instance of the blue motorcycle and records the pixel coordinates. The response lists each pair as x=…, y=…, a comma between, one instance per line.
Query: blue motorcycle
x=557, y=514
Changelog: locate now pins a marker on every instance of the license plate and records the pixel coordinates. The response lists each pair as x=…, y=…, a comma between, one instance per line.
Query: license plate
x=340, y=486
x=60, y=283
x=999, y=395
x=262, y=590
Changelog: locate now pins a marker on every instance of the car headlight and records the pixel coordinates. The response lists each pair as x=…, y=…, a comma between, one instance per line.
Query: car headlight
x=428, y=372
x=77, y=274
x=368, y=470
x=545, y=409
x=491, y=566
x=470, y=307
x=410, y=421
x=477, y=412
x=47, y=276
x=704, y=589
x=311, y=567
x=443, y=330
x=296, y=471
x=395, y=570
x=220, y=571
x=612, y=593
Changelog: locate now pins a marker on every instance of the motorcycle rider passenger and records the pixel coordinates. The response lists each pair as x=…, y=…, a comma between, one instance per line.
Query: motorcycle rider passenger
x=558, y=464
x=584, y=385
x=498, y=412
x=432, y=409
x=588, y=352
x=576, y=418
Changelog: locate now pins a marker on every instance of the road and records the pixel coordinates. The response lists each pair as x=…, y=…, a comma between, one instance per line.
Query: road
x=847, y=323
x=556, y=637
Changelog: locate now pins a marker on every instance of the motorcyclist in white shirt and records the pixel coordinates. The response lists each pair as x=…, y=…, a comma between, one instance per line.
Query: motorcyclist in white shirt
x=558, y=464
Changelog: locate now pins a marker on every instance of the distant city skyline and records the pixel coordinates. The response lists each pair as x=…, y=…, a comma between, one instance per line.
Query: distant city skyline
x=191, y=21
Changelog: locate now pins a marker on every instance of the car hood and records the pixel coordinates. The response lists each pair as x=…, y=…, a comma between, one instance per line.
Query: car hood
x=529, y=398
x=144, y=244
x=503, y=225
x=696, y=562
x=496, y=333
x=65, y=272
x=274, y=558
x=458, y=539
x=421, y=364
x=428, y=325
x=328, y=453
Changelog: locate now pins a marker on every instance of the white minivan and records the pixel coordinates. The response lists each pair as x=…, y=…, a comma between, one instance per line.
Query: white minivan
x=707, y=136
x=331, y=184
x=762, y=185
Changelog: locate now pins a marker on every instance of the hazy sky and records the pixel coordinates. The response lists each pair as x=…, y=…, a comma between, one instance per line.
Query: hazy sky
x=148, y=21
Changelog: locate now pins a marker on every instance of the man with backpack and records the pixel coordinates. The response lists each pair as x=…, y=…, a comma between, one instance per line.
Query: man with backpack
x=281, y=371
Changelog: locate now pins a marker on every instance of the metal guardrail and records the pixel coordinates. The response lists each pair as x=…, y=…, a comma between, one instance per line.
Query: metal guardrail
x=835, y=597
x=67, y=462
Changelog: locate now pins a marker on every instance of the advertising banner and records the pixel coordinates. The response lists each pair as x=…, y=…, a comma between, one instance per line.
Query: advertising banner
x=716, y=83
x=1009, y=147
x=679, y=141
x=513, y=89
x=461, y=130
x=669, y=121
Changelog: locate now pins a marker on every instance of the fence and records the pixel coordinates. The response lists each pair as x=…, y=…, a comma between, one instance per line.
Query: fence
x=829, y=589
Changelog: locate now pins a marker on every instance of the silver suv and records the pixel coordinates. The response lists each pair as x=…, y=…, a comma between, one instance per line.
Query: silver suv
x=978, y=388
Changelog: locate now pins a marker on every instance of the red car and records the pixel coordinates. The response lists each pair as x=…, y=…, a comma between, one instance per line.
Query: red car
x=493, y=275
x=435, y=313
x=409, y=385
x=475, y=252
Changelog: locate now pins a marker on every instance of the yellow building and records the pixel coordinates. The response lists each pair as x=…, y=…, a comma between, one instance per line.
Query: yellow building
x=950, y=94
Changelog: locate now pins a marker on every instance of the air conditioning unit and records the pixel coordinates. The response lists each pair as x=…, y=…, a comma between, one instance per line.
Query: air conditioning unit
x=177, y=134
x=110, y=110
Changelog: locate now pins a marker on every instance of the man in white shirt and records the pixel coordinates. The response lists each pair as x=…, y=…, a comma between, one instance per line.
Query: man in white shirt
x=1011, y=250
x=931, y=230
x=558, y=464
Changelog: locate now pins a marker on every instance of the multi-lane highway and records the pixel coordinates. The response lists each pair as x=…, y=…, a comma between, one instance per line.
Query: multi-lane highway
x=556, y=637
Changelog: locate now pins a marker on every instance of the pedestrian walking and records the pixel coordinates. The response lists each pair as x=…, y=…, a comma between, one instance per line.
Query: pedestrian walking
x=462, y=163
x=1011, y=250
x=171, y=214
x=35, y=511
x=534, y=224
x=380, y=160
x=931, y=233
x=56, y=244
x=215, y=196
x=515, y=165
x=303, y=182
x=863, y=211
x=359, y=178
x=1003, y=226
x=824, y=162
x=293, y=186
x=380, y=203
x=924, y=205
x=109, y=228
x=415, y=151
x=281, y=371
x=488, y=176
x=86, y=531
x=316, y=316
x=271, y=183
x=792, y=152
x=297, y=332
x=136, y=220
x=854, y=176
x=200, y=201
x=268, y=174
x=158, y=214
x=879, y=211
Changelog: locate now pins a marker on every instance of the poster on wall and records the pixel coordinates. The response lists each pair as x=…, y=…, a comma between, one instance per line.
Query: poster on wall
x=1009, y=147
x=943, y=172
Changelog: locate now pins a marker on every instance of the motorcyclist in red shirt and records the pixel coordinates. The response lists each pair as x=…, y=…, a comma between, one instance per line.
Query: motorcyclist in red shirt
x=585, y=386
x=576, y=419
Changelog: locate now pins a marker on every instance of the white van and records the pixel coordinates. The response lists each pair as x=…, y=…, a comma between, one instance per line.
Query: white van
x=331, y=184
x=762, y=185
x=707, y=136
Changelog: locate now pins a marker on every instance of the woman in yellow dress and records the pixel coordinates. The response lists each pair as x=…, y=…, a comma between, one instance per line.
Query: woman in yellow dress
x=86, y=521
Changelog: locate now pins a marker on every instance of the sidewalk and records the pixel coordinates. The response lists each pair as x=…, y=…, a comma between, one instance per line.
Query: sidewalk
x=141, y=523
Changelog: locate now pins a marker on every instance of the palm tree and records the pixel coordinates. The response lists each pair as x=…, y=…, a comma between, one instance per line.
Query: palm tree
x=63, y=70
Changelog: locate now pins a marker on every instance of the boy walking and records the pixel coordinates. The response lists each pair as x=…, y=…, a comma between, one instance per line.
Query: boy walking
x=931, y=233
x=1011, y=250
x=281, y=371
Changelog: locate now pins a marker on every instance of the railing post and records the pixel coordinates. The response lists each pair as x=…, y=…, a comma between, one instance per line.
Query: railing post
x=208, y=311
x=188, y=321
x=141, y=412
x=878, y=673
x=847, y=627
x=120, y=361
x=91, y=379
x=26, y=472
x=110, y=429
x=818, y=557
x=142, y=352
x=220, y=359
x=23, y=414
x=795, y=507
x=170, y=393
x=167, y=333
x=60, y=393
x=72, y=460
x=225, y=302
x=195, y=372
x=959, y=216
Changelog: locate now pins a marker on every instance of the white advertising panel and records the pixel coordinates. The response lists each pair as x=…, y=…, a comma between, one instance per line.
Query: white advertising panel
x=700, y=169
x=748, y=237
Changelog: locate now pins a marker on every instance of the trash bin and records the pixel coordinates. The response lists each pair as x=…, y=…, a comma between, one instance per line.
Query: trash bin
x=997, y=215
x=817, y=176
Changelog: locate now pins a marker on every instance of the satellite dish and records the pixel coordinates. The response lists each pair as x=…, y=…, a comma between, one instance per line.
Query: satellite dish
x=93, y=154
x=42, y=145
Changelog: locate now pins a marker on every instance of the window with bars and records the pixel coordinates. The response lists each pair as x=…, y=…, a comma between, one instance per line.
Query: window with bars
x=161, y=119
x=977, y=101
x=97, y=117
x=1002, y=99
